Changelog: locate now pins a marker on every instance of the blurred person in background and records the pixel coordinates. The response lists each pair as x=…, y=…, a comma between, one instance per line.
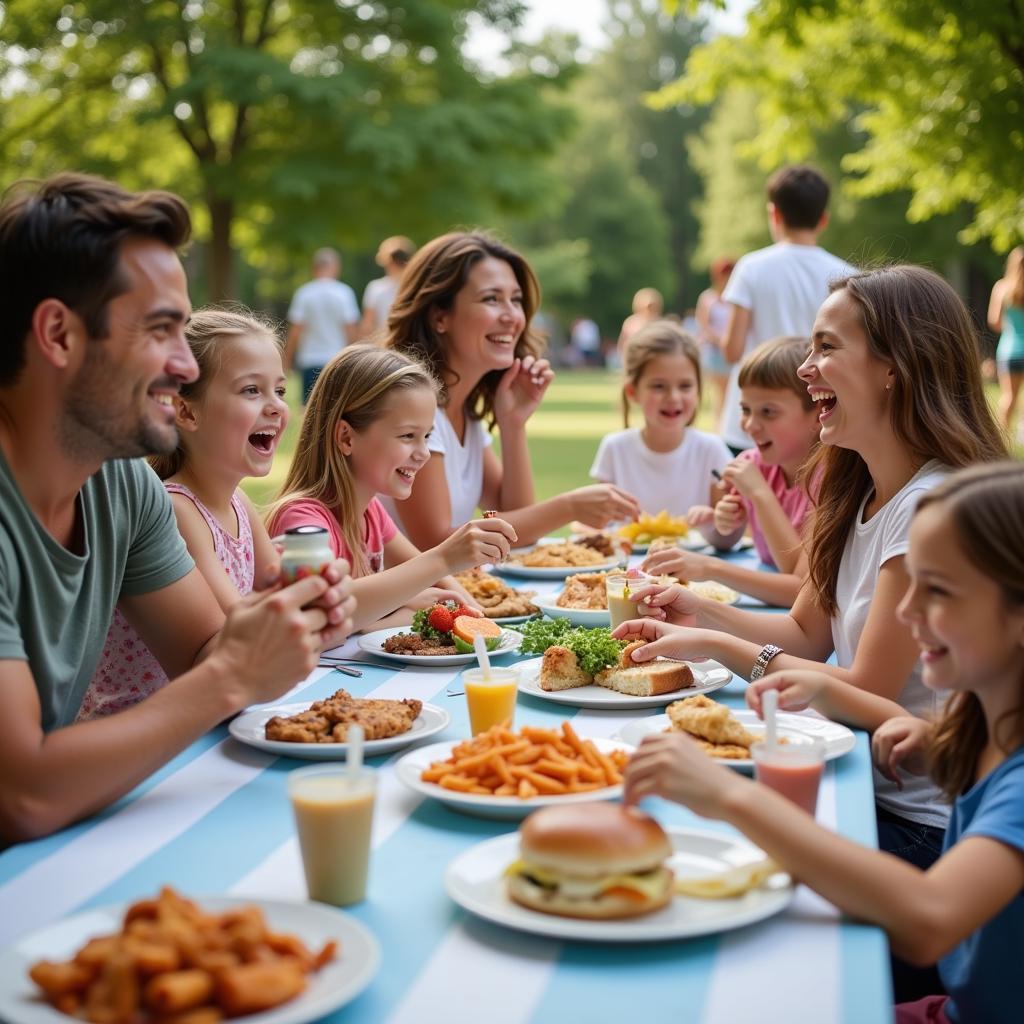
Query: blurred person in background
x=323, y=313
x=712, y=321
x=1006, y=315
x=585, y=341
x=392, y=256
x=648, y=306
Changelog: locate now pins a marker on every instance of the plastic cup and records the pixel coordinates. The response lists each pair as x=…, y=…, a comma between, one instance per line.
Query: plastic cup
x=791, y=769
x=334, y=820
x=618, y=586
x=491, y=698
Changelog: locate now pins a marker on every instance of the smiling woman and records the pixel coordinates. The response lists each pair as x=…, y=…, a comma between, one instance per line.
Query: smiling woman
x=464, y=310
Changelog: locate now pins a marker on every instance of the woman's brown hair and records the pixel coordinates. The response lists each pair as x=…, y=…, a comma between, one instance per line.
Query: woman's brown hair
x=659, y=338
x=915, y=322
x=985, y=505
x=209, y=330
x=355, y=387
x=432, y=279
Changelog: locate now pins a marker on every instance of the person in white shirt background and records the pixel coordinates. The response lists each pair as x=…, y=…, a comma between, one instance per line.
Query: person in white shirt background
x=392, y=256
x=322, y=313
x=777, y=291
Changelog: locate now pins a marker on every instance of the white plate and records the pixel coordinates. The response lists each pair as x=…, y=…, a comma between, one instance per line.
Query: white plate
x=708, y=676
x=475, y=881
x=577, y=616
x=250, y=728
x=554, y=572
x=796, y=728
x=373, y=643
x=339, y=982
x=513, y=620
x=410, y=766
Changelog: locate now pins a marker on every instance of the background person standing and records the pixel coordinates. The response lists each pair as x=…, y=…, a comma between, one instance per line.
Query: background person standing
x=392, y=256
x=322, y=313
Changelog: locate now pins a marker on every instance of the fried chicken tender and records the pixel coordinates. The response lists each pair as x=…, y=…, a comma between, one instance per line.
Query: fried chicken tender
x=559, y=556
x=708, y=720
x=497, y=599
x=328, y=721
x=585, y=590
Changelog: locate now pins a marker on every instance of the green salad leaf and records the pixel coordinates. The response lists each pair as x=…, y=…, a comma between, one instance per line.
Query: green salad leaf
x=426, y=630
x=595, y=649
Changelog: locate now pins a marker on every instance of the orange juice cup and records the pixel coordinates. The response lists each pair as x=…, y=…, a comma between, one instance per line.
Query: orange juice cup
x=334, y=819
x=792, y=769
x=491, y=701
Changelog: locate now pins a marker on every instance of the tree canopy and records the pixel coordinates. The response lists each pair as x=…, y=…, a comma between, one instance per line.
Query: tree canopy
x=935, y=87
x=288, y=123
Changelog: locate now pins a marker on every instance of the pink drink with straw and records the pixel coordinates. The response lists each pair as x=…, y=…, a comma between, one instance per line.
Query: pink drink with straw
x=791, y=771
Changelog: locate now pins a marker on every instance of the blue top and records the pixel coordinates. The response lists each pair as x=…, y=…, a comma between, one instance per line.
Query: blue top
x=1011, y=341
x=982, y=975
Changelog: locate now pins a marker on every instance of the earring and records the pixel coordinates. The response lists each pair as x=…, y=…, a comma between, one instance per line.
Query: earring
x=888, y=387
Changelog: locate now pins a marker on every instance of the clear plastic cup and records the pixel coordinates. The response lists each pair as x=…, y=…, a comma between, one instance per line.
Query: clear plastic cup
x=334, y=820
x=618, y=587
x=490, y=701
x=791, y=769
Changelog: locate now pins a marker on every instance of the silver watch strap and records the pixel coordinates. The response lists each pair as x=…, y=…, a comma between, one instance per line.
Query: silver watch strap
x=764, y=656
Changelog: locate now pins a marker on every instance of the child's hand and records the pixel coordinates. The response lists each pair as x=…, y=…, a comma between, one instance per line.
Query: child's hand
x=745, y=477
x=600, y=504
x=730, y=515
x=435, y=595
x=684, y=565
x=672, y=766
x=797, y=688
x=700, y=515
x=667, y=602
x=520, y=390
x=478, y=542
x=901, y=743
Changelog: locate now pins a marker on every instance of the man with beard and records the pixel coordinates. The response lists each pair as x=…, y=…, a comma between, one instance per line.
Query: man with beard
x=92, y=351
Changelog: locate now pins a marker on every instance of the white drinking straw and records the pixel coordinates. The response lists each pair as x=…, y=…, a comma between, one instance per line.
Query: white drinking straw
x=355, y=752
x=481, y=656
x=769, y=705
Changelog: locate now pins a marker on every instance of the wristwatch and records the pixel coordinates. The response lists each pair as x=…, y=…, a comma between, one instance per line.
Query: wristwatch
x=764, y=656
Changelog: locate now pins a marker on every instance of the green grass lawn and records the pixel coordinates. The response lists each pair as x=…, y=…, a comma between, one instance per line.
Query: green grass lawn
x=581, y=406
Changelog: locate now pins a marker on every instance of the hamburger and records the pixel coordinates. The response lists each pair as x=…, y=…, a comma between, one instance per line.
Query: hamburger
x=591, y=860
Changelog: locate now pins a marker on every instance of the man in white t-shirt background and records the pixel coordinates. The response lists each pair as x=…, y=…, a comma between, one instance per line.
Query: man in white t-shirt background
x=321, y=315
x=777, y=290
x=392, y=256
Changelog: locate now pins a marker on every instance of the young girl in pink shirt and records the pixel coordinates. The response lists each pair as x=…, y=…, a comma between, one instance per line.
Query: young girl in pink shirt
x=230, y=422
x=365, y=434
x=764, y=486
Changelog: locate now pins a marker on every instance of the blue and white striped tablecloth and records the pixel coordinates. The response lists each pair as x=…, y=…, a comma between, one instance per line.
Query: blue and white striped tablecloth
x=217, y=820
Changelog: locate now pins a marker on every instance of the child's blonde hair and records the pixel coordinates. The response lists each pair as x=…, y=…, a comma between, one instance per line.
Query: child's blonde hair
x=354, y=386
x=207, y=332
x=773, y=366
x=986, y=507
x=661, y=338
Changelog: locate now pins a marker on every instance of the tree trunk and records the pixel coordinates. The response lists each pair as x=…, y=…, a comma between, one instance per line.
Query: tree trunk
x=221, y=264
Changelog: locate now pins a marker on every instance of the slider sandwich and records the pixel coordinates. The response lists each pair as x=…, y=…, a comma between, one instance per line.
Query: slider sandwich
x=595, y=860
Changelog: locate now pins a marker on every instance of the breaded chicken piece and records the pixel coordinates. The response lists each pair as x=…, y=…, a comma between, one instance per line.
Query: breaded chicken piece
x=708, y=720
x=560, y=670
x=328, y=721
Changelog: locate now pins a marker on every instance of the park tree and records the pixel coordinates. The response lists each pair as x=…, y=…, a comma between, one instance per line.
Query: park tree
x=933, y=88
x=287, y=123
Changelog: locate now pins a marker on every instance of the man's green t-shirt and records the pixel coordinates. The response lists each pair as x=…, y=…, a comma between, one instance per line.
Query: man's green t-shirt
x=56, y=606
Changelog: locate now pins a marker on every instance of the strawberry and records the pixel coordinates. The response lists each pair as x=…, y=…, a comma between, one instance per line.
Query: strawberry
x=441, y=618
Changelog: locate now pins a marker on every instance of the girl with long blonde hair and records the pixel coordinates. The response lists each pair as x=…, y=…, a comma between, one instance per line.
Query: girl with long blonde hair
x=365, y=435
x=230, y=421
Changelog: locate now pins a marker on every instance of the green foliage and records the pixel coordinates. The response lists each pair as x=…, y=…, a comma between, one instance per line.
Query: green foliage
x=595, y=649
x=288, y=122
x=933, y=89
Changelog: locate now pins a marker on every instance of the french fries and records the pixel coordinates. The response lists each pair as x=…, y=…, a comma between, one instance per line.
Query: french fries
x=647, y=527
x=173, y=963
x=532, y=762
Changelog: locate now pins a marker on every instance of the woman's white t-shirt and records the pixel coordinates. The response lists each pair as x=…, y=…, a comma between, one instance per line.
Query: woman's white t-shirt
x=463, y=467
x=868, y=547
x=674, y=480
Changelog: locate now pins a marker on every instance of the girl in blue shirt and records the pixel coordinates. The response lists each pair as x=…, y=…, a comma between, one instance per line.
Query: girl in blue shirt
x=965, y=608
